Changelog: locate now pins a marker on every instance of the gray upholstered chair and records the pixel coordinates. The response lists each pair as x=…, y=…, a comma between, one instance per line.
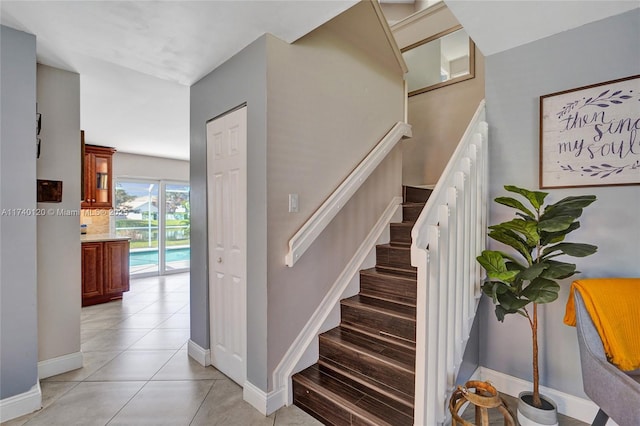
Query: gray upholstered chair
x=616, y=392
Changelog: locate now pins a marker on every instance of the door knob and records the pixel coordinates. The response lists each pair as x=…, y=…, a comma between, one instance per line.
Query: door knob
x=219, y=260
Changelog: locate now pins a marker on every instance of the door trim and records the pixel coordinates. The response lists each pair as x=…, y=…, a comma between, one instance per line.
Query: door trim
x=210, y=227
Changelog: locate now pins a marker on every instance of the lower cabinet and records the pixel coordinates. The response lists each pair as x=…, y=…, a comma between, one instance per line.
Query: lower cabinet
x=105, y=271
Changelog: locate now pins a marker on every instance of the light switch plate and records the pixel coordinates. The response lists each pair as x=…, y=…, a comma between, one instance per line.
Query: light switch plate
x=293, y=203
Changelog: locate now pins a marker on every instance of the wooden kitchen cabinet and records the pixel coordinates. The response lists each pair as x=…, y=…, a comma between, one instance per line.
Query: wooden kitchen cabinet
x=105, y=271
x=116, y=270
x=98, y=177
x=92, y=270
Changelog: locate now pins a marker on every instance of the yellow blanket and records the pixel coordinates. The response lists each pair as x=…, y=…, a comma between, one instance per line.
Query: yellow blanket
x=614, y=306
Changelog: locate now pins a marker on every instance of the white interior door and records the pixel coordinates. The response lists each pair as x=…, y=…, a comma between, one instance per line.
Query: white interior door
x=227, y=218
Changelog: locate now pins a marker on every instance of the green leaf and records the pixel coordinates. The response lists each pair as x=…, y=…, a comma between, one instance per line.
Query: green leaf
x=494, y=264
x=570, y=249
x=547, y=238
x=558, y=270
x=511, y=303
x=512, y=264
x=533, y=271
x=578, y=202
x=500, y=313
x=494, y=288
x=513, y=203
x=513, y=240
x=541, y=290
x=536, y=198
x=556, y=224
x=528, y=229
x=575, y=213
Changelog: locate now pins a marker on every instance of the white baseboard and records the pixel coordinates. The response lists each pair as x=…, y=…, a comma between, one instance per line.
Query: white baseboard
x=266, y=403
x=291, y=360
x=58, y=365
x=198, y=353
x=21, y=404
x=570, y=405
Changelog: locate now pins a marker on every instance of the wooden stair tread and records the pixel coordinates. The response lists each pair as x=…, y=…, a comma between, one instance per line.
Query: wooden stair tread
x=395, y=246
x=398, y=357
x=407, y=343
x=365, y=408
x=385, y=306
x=407, y=223
x=390, y=272
x=386, y=273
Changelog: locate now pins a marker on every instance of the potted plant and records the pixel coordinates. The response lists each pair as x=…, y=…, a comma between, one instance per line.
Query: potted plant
x=529, y=276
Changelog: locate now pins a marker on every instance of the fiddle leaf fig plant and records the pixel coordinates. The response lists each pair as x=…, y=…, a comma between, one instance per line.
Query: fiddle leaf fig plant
x=529, y=275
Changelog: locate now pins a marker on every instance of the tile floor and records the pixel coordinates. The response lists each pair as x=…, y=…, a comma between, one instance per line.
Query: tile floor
x=137, y=371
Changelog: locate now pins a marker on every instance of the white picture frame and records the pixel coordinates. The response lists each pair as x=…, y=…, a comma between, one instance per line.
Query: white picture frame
x=590, y=136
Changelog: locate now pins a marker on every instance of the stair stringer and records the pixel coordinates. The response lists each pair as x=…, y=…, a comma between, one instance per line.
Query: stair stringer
x=304, y=351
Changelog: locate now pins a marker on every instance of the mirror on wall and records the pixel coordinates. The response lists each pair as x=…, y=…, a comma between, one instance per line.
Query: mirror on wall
x=441, y=60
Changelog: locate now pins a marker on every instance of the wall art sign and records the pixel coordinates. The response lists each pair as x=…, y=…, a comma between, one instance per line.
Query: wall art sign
x=590, y=136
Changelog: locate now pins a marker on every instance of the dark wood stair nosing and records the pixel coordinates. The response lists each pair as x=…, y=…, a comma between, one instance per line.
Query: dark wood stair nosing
x=374, y=272
x=399, y=272
x=387, y=337
x=357, y=303
x=390, y=298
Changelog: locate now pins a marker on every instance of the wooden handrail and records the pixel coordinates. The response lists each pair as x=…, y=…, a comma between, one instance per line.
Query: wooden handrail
x=314, y=226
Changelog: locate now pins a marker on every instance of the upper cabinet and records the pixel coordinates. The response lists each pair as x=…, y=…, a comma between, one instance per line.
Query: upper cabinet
x=98, y=177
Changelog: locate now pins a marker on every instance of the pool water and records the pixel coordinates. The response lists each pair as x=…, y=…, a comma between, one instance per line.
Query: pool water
x=150, y=257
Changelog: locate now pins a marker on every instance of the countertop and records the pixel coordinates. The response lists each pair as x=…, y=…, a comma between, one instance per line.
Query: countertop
x=92, y=238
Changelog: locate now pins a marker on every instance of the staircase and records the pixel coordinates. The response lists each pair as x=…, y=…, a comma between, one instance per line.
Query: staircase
x=366, y=371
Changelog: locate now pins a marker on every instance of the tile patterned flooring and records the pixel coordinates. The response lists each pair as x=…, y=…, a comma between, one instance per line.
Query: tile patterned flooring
x=137, y=371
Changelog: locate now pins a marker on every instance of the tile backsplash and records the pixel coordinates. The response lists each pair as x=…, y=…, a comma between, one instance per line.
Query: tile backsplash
x=98, y=221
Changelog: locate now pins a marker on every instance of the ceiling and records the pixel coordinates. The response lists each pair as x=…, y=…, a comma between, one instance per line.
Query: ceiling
x=137, y=59
x=496, y=26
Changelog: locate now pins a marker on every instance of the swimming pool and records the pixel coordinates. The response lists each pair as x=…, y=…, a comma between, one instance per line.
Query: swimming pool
x=150, y=256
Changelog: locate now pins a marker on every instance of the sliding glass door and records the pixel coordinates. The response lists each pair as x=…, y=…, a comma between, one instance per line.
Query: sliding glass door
x=156, y=216
x=176, y=227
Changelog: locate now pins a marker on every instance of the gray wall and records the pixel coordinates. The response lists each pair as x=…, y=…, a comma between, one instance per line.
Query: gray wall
x=18, y=310
x=59, y=284
x=515, y=79
x=333, y=95
x=241, y=79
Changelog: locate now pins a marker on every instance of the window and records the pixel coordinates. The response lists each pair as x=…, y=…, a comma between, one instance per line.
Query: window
x=156, y=216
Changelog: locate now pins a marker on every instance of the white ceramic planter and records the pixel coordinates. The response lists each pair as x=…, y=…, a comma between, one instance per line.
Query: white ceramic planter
x=528, y=415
